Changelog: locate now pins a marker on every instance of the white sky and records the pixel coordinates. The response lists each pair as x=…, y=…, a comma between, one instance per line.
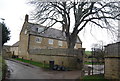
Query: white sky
x=13, y=11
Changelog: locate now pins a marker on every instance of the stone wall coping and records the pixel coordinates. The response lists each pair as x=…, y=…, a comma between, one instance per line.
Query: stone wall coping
x=112, y=57
x=57, y=52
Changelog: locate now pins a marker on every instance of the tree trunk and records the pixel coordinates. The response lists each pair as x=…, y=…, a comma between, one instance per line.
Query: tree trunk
x=71, y=40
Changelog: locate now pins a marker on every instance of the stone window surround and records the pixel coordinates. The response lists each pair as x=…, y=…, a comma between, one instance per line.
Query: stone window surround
x=38, y=39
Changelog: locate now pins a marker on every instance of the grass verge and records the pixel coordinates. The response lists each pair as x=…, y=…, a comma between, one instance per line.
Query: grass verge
x=88, y=52
x=99, y=77
x=90, y=63
x=3, y=68
x=46, y=66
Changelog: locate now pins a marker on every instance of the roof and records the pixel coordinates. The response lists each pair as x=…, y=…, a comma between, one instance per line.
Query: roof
x=49, y=32
x=6, y=48
x=118, y=43
x=16, y=44
x=112, y=50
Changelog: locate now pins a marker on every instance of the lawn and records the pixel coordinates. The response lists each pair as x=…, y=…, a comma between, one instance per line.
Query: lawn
x=88, y=53
x=33, y=63
x=90, y=63
x=94, y=78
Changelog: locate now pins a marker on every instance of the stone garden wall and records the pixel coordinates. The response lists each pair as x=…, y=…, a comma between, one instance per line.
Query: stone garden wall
x=112, y=61
x=72, y=58
x=112, y=68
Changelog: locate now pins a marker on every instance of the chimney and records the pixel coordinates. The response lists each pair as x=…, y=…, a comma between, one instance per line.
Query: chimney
x=26, y=18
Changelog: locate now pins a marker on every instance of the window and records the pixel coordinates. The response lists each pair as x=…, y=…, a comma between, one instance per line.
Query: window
x=26, y=31
x=38, y=39
x=37, y=29
x=75, y=46
x=60, y=43
x=50, y=41
x=40, y=30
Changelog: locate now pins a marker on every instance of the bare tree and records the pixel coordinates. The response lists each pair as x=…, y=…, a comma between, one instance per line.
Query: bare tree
x=101, y=14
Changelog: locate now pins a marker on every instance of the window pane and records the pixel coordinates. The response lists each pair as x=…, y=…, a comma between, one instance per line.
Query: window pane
x=50, y=41
x=75, y=47
x=37, y=29
x=26, y=31
x=40, y=30
x=60, y=43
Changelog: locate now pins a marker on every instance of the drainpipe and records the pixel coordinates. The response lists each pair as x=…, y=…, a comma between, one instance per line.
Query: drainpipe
x=28, y=43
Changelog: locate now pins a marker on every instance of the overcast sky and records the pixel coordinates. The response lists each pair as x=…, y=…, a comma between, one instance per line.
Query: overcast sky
x=13, y=11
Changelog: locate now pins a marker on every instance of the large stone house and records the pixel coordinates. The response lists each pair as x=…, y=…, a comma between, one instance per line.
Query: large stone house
x=40, y=44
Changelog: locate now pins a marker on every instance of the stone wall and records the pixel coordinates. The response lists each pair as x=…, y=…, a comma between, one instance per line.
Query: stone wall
x=112, y=61
x=57, y=51
x=6, y=54
x=66, y=57
x=112, y=68
x=23, y=44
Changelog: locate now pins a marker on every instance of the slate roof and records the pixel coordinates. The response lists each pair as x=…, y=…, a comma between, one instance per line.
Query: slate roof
x=112, y=50
x=6, y=48
x=16, y=44
x=49, y=33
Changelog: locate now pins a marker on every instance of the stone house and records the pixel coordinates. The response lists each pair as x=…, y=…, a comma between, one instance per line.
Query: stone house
x=14, y=49
x=10, y=51
x=6, y=53
x=112, y=61
x=44, y=45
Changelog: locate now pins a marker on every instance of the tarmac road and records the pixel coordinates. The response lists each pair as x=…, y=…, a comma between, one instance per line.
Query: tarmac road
x=20, y=71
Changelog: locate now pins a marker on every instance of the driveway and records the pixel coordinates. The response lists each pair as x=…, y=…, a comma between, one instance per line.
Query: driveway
x=20, y=71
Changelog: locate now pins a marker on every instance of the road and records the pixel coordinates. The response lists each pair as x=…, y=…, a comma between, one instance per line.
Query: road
x=20, y=71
